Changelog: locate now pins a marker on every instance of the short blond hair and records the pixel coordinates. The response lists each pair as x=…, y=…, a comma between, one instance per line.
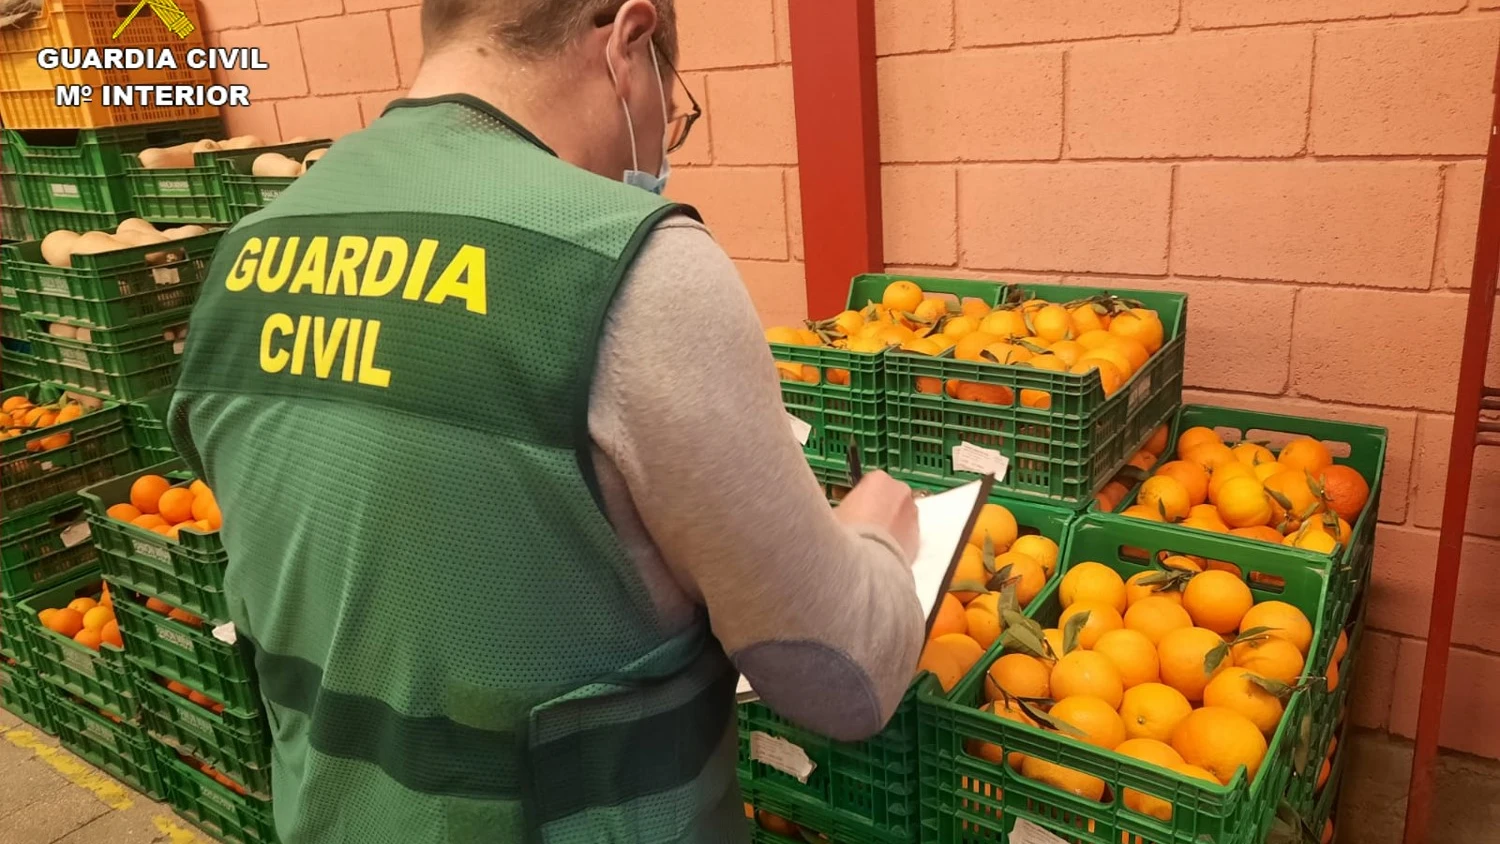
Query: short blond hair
x=535, y=28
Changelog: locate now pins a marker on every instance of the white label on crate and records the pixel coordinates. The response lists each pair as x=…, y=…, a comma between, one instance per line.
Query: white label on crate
x=63, y=191
x=155, y=552
x=225, y=633
x=178, y=347
x=173, y=187
x=195, y=722
x=9, y=292
x=1026, y=832
x=74, y=356
x=81, y=661
x=268, y=195
x=968, y=457
x=1139, y=391
x=782, y=755
x=74, y=534
x=207, y=793
x=100, y=732
x=172, y=636
x=165, y=275
x=47, y=466
x=800, y=429
x=53, y=284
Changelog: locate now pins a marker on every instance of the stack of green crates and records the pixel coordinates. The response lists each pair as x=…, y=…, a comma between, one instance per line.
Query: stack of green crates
x=218, y=188
x=858, y=792
x=113, y=324
x=196, y=691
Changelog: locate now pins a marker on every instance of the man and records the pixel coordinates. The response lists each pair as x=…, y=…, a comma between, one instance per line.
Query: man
x=504, y=467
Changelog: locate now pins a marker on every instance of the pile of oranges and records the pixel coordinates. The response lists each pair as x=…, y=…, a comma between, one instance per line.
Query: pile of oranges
x=161, y=607
x=158, y=506
x=181, y=690
x=1176, y=667
x=1114, y=336
x=999, y=570
x=18, y=415
x=88, y=621
x=1297, y=497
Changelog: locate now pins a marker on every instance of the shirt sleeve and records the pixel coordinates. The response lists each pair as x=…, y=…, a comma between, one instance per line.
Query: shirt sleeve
x=822, y=618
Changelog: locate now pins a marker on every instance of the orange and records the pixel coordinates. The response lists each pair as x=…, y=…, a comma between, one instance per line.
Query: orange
x=950, y=618
x=1341, y=647
x=993, y=753
x=66, y=621
x=943, y=664
x=1110, y=377
x=1038, y=548
x=1206, y=513
x=1085, y=318
x=1235, y=690
x=1090, y=581
x=1099, y=722
x=96, y=618
x=1054, y=639
x=1243, y=503
x=1091, y=340
x=982, y=619
x=1312, y=538
x=1286, y=622
x=1211, y=456
x=177, y=688
x=1181, y=563
x=1006, y=354
x=1141, y=511
x=1323, y=773
x=1133, y=351
x=960, y=326
x=783, y=335
x=87, y=638
x=1156, y=616
x=1052, y=323
x=1102, y=618
x=123, y=512
x=969, y=572
x=1152, y=711
x=1063, y=779
x=1137, y=591
x=1264, y=533
x=1217, y=600
x=110, y=634
x=976, y=308
x=1276, y=659
x=1290, y=487
x=1225, y=473
x=1331, y=677
x=1005, y=323
x=164, y=530
x=206, y=509
x=901, y=296
x=1167, y=496
x=964, y=649
x=1114, y=356
x=1266, y=470
x=777, y=825
x=998, y=524
x=970, y=346
x=922, y=346
x=1142, y=460
x=1192, y=477
x=1141, y=325
x=157, y=605
x=1133, y=654
x=1159, y=754
x=1018, y=675
x=1252, y=454
x=1032, y=576
x=149, y=521
x=1157, y=442
x=1305, y=453
x=1195, y=437
x=82, y=605
x=930, y=311
x=1347, y=491
x=1087, y=673
x=147, y=491
x=1220, y=741
x=1067, y=351
x=185, y=617
x=1183, y=654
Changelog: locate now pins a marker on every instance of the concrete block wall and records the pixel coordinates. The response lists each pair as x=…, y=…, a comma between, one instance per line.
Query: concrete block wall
x=1309, y=170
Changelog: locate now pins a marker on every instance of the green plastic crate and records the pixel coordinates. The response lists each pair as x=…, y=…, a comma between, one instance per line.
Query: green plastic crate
x=1361, y=447
x=45, y=548
x=98, y=152
x=211, y=807
x=12, y=324
x=99, y=677
x=815, y=821
x=245, y=193
x=24, y=694
x=148, y=423
x=13, y=646
x=966, y=799
x=44, y=221
x=236, y=743
x=15, y=222
x=94, y=194
x=8, y=296
x=841, y=413
x=121, y=749
x=177, y=194
x=190, y=655
x=1062, y=454
x=132, y=371
x=30, y=475
x=871, y=783
x=17, y=367
x=112, y=289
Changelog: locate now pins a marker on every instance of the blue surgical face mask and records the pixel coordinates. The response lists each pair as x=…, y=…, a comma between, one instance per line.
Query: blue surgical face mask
x=656, y=184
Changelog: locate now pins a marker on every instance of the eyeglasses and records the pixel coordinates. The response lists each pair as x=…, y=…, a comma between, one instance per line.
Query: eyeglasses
x=679, y=126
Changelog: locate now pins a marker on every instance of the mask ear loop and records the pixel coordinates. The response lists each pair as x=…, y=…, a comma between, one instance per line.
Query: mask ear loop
x=635, y=158
x=661, y=88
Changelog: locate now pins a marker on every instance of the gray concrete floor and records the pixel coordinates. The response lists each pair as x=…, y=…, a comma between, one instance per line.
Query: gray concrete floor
x=49, y=796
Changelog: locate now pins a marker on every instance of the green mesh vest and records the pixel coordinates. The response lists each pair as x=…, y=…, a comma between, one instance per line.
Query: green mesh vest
x=387, y=385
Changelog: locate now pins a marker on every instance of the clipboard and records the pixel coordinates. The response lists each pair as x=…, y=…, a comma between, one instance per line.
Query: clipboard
x=947, y=520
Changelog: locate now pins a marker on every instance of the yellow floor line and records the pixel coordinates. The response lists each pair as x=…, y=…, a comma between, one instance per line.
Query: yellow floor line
x=175, y=834
x=78, y=773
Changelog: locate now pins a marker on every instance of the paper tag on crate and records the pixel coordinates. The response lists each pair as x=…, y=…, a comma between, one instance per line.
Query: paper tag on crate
x=178, y=347
x=53, y=284
x=782, y=755
x=225, y=633
x=1138, y=394
x=800, y=429
x=165, y=275
x=968, y=457
x=74, y=534
x=1026, y=832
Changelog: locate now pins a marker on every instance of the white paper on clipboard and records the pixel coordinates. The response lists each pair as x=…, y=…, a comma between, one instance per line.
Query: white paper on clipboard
x=944, y=522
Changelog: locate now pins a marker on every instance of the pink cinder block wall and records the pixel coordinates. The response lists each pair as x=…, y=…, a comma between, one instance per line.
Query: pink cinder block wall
x=1308, y=170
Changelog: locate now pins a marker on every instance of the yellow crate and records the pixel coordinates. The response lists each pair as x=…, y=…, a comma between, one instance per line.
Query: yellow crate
x=28, y=92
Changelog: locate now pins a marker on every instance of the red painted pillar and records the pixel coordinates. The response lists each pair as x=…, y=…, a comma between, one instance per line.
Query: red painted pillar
x=838, y=145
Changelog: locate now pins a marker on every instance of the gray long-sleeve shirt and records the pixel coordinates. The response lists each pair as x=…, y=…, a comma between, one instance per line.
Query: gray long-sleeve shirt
x=705, y=484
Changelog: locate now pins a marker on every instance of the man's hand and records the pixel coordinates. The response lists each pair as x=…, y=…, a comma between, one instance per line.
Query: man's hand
x=884, y=502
